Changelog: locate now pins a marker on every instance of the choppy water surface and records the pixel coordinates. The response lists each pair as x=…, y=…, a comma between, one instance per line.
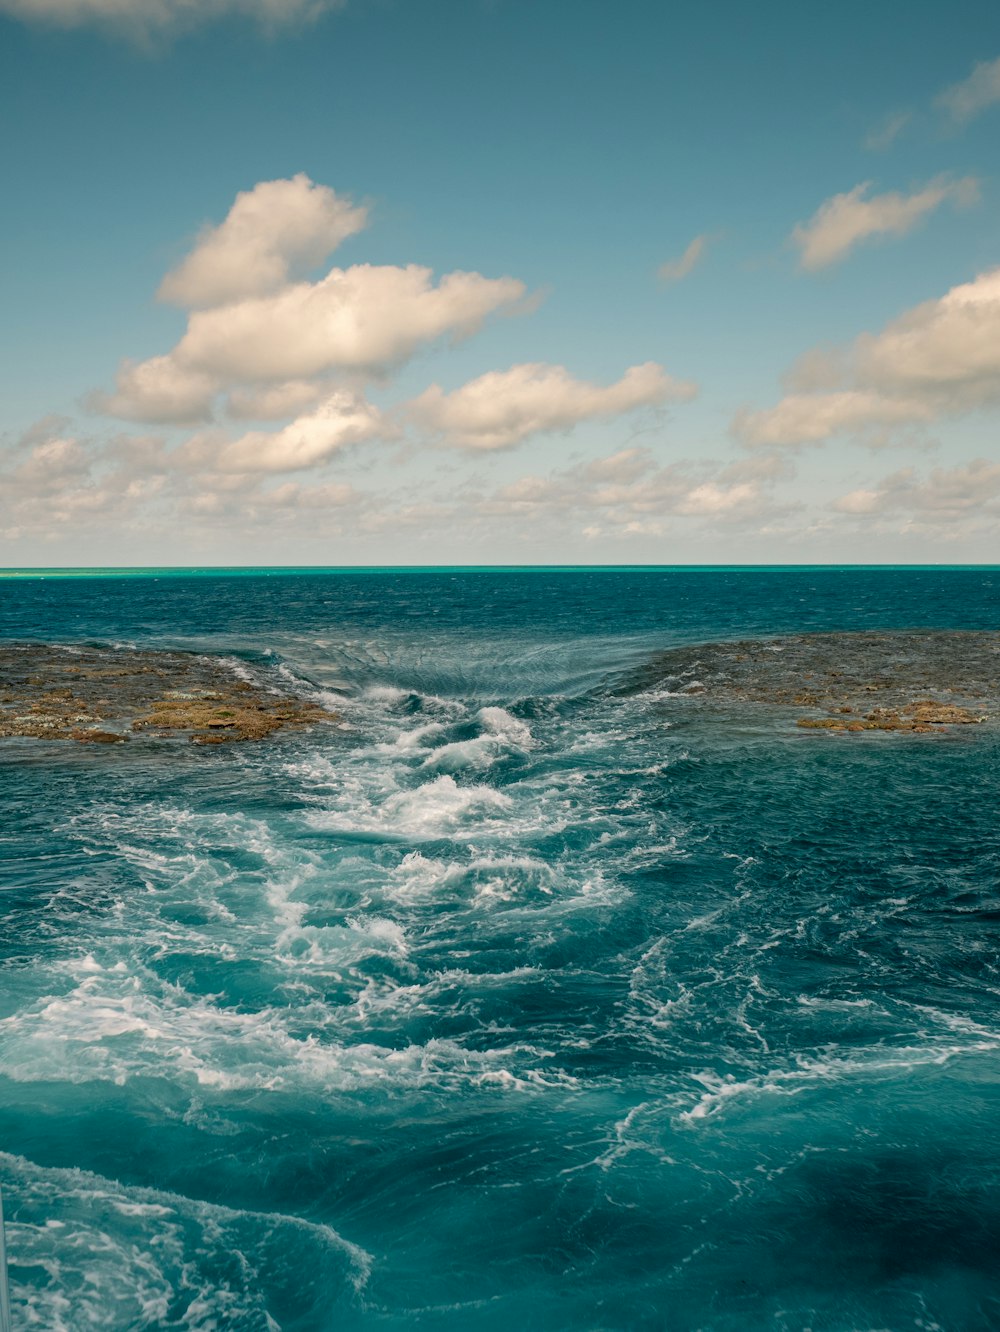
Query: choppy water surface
x=529, y=997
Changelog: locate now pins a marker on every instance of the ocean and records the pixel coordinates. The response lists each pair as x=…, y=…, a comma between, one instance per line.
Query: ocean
x=538, y=992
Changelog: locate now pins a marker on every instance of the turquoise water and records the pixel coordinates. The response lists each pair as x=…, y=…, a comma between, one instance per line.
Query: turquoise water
x=522, y=999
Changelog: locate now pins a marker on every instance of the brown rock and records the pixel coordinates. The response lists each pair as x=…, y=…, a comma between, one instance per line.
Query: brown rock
x=203, y=701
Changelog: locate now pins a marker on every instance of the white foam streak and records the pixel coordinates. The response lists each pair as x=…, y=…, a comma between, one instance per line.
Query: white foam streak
x=114, y=1027
x=809, y=1073
x=429, y=811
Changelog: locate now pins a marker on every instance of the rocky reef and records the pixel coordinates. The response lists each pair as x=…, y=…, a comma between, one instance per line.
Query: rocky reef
x=99, y=695
x=903, y=681
x=923, y=715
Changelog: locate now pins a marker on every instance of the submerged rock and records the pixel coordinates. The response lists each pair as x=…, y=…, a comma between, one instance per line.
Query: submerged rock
x=97, y=695
x=918, y=681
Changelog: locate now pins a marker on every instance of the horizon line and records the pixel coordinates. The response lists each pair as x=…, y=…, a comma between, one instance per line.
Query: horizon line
x=207, y=570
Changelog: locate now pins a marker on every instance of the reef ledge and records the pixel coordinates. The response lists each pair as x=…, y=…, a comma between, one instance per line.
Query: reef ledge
x=102, y=695
x=907, y=680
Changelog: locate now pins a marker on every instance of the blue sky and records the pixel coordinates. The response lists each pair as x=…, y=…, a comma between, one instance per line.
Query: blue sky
x=817, y=381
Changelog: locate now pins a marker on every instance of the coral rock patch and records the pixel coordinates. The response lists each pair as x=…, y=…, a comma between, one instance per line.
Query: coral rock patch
x=97, y=695
x=918, y=682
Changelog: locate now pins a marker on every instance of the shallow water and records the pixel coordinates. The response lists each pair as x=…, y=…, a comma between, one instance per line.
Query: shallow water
x=525, y=998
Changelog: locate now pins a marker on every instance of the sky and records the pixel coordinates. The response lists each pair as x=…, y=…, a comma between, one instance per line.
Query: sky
x=499, y=282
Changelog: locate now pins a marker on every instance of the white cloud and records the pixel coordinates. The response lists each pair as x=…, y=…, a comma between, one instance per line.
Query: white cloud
x=773, y=466
x=50, y=465
x=343, y=419
x=59, y=483
x=138, y=488
x=626, y=465
x=55, y=488
x=628, y=493
x=273, y=231
x=803, y=418
x=674, y=270
x=274, y=402
x=940, y=359
x=333, y=495
x=710, y=499
x=43, y=430
x=885, y=134
x=858, y=502
x=366, y=318
x=504, y=407
x=846, y=220
x=263, y=343
x=948, y=349
x=146, y=18
x=949, y=496
x=974, y=94
x=160, y=390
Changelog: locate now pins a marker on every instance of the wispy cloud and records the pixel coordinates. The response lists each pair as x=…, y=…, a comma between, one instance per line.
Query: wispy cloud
x=965, y=100
x=147, y=19
x=887, y=131
x=675, y=270
x=947, y=503
x=504, y=407
x=846, y=220
x=810, y=418
x=630, y=494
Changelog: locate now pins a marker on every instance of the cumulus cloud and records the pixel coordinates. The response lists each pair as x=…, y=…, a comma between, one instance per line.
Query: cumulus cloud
x=50, y=465
x=59, y=487
x=675, y=270
x=962, y=101
x=947, y=350
x=846, y=220
x=146, y=18
x=55, y=481
x=274, y=402
x=504, y=407
x=342, y=419
x=949, y=497
x=277, y=229
x=266, y=344
x=803, y=418
x=261, y=332
x=161, y=390
x=630, y=493
x=366, y=318
x=940, y=359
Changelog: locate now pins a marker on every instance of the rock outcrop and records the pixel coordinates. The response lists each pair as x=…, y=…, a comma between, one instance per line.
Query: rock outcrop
x=918, y=682
x=97, y=695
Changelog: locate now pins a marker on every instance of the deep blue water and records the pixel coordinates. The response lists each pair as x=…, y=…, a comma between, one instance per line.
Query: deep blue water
x=517, y=1001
